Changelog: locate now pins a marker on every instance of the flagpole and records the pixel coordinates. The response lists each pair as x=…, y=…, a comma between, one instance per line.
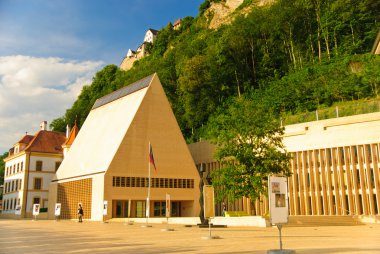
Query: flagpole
x=148, y=199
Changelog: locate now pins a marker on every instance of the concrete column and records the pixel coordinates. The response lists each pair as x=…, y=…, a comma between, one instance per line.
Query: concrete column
x=355, y=183
x=290, y=190
x=362, y=179
x=296, y=205
x=300, y=163
x=305, y=173
x=342, y=184
x=376, y=174
x=317, y=182
x=322, y=156
x=338, y=206
x=368, y=160
x=348, y=166
x=312, y=186
x=329, y=182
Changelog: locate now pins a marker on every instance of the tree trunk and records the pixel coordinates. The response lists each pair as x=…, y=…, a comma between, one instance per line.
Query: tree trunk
x=335, y=43
x=237, y=82
x=253, y=60
x=318, y=15
x=292, y=49
x=311, y=47
x=326, y=36
x=352, y=34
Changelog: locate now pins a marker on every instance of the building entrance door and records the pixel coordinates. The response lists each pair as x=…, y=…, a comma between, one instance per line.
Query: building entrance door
x=121, y=208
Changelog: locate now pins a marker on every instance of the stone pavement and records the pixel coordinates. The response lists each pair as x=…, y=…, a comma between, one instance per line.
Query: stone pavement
x=26, y=236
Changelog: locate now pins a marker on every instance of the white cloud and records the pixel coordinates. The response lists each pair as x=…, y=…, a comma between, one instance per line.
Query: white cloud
x=35, y=89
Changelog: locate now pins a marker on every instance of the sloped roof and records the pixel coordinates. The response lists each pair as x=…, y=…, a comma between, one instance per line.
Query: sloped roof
x=47, y=142
x=73, y=133
x=103, y=131
x=154, y=31
x=142, y=83
x=26, y=139
x=376, y=45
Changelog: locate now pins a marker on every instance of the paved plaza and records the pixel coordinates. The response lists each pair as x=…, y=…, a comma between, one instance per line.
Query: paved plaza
x=26, y=236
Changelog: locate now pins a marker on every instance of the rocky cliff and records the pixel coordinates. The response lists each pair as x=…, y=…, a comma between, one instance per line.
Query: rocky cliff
x=223, y=12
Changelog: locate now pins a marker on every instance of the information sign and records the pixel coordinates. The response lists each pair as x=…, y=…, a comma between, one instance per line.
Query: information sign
x=278, y=200
x=208, y=201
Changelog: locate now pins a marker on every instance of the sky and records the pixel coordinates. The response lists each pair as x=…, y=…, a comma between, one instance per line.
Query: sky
x=49, y=49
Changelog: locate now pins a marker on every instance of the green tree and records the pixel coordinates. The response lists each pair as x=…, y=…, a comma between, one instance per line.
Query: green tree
x=2, y=170
x=59, y=124
x=249, y=144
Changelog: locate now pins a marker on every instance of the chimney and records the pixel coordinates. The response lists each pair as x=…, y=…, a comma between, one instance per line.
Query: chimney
x=67, y=131
x=43, y=126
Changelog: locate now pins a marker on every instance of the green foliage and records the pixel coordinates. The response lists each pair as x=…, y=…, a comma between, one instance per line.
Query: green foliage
x=204, y=6
x=2, y=171
x=300, y=55
x=58, y=124
x=248, y=136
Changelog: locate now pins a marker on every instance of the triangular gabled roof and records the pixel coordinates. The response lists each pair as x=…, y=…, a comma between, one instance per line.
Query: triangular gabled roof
x=73, y=134
x=115, y=136
x=154, y=31
x=47, y=142
x=103, y=131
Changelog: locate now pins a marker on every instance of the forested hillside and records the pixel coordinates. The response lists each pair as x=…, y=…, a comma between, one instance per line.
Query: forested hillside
x=296, y=55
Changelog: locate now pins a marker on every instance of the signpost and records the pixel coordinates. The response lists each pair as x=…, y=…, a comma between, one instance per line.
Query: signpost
x=57, y=211
x=167, y=213
x=105, y=209
x=18, y=210
x=278, y=206
x=36, y=210
x=209, y=208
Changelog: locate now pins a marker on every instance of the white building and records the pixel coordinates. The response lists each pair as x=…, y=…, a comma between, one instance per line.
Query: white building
x=150, y=35
x=29, y=169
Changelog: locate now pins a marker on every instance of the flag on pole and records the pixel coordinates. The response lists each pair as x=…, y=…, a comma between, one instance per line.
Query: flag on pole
x=151, y=157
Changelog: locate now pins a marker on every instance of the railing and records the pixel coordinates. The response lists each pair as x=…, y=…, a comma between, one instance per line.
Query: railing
x=344, y=109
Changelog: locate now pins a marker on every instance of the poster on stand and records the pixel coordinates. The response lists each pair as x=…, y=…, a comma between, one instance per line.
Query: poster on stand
x=105, y=207
x=36, y=209
x=18, y=210
x=57, y=211
x=278, y=200
x=168, y=208
x=208, y=201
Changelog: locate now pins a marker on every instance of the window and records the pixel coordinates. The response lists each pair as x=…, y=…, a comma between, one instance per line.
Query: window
x=36, y=200
x=19, y=184
x=38, y=165
x=57, y=164
x=37, y=184
x=22, y=166
x=18, y=167
x=14, y=168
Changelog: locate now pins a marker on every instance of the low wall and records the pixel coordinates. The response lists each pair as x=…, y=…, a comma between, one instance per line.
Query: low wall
x=172, y=220
x=243, y=221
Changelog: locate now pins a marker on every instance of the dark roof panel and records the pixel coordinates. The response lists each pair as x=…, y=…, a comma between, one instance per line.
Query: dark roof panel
x=134, y=87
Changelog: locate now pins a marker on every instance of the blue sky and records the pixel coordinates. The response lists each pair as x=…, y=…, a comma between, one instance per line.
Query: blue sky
x=49, y=49
x=84, y=29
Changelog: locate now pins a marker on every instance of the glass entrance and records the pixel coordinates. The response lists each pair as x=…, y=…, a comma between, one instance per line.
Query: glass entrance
x=121, y=207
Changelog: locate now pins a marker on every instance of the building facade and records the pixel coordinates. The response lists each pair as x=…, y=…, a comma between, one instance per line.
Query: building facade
x=108, y=161
x=334, y=165
x=140, y=52
x=29, y=168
